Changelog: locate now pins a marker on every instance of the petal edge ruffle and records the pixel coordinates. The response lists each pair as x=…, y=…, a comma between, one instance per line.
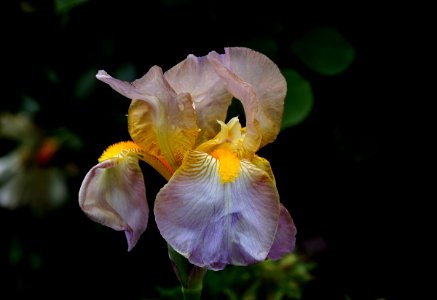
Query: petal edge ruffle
x=257, y=82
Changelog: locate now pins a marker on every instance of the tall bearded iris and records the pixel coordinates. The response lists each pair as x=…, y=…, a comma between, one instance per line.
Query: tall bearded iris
x=220, y=205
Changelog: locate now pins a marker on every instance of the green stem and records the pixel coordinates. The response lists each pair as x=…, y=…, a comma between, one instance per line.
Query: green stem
x=191, y=294
x=190, y=276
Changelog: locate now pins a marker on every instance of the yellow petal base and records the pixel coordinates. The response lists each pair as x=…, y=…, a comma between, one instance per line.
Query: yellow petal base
x=229, y=164
x=120, y=150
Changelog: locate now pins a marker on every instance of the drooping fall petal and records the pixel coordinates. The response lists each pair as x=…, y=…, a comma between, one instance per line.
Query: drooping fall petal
x=195, y=75
x=214, y=223
x=162, y=122
x=285, y=239
x=113, y=194
x=257, y=82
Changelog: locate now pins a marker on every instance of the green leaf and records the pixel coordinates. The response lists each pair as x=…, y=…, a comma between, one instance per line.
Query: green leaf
x=169, y=293
x=324, y=50
x=29, y=105
x=35, y=261
x=67, y=138
x=64, y=6
x=16, y=252
x=51, y=75
x=299, y=99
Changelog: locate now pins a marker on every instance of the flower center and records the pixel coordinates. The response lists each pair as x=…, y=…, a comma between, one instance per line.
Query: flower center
x=120, y=150
x=229, y=165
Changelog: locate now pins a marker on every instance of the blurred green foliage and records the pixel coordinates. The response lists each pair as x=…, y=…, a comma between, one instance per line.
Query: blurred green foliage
x=299, y=99
x=276, y=280
x=64, y=6
x=324, y=50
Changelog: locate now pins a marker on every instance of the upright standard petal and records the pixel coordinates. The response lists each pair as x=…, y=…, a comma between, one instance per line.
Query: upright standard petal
x=216, y=221
x=113, y=194
x=162, y=122
x=257, y=82
x=196, y=76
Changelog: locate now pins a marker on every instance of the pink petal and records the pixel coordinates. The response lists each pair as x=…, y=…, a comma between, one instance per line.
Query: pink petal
x=113, y=194
x=195, y=75
x=257, y=82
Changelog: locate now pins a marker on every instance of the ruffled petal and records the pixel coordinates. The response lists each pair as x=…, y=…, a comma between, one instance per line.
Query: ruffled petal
x=195, y=75
x=285, y=239
x=257, y=82
x=162, y=122
x=215, y=224
x=113, y=194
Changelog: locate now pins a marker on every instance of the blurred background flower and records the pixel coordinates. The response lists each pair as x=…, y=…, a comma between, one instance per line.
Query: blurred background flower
x=28, y=176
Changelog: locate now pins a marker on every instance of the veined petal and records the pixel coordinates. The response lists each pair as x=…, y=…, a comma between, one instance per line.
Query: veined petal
x=213, y=223
x=162, y=122
x=285, y=239
x=257, y=82
x=264, y=165
x=113, y=194
x=141, y=125
x=195, y=75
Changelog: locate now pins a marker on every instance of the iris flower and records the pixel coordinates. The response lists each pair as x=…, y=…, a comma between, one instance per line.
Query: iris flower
x=220, y=205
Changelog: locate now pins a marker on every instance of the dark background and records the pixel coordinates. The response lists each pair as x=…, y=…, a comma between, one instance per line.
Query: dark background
x=337, y=172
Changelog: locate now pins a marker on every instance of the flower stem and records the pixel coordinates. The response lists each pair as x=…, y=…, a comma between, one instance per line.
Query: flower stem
x=190, y=276
x=191, y=294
